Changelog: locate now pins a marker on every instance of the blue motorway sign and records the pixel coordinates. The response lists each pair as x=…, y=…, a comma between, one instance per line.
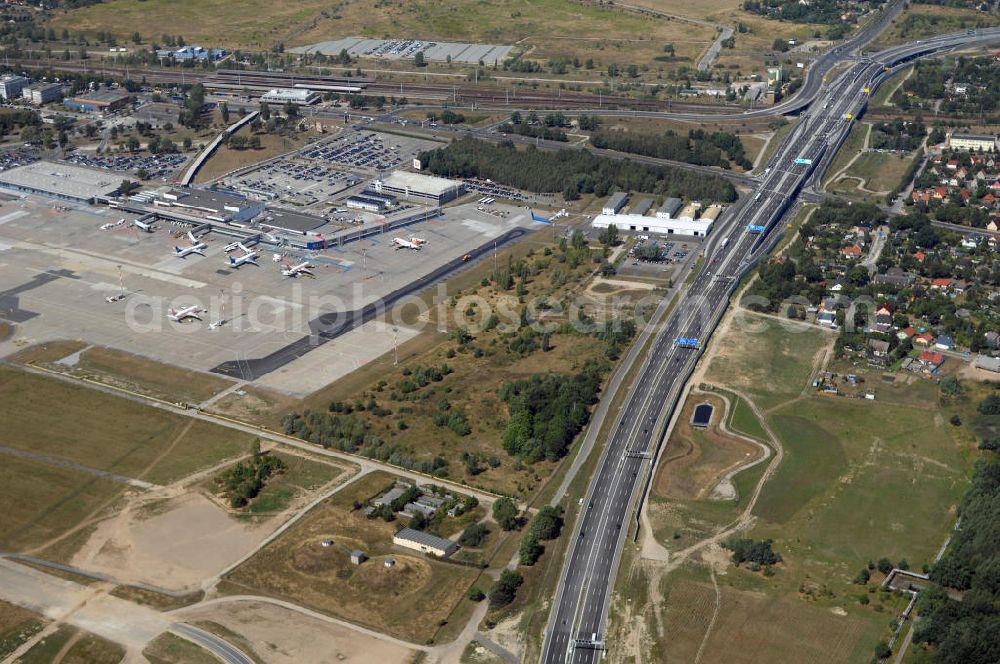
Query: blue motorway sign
x=755, y=229
x=687, y=342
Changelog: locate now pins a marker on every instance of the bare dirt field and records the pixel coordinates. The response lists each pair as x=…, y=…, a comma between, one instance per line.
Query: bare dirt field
x=283, y=636
x=178, y=537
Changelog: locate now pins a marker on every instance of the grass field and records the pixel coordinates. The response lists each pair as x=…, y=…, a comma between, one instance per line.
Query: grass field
x=877, y=172
x=751, y=627
x=108, y=433
x=97, y=431
x=139, y=374
x=918, y=21
x=842, y=457
x=772, y=366
x=408, y=600
x=853, y=145
x=545, y=28
x=170, y=649
x=17, y=625
x=859, y=480
x=225, y=159
x=70, y=646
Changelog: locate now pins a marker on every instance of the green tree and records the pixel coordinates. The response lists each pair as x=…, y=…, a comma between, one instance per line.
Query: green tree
x=418, y=59
x=505, y=588
x=505, y=513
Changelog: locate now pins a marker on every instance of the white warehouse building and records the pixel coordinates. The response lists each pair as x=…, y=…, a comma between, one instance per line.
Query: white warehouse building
x=683, y=224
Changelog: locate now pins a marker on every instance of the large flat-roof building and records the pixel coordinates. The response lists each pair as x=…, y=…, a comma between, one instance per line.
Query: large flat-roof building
x=424, y=542
x=645, y=224
x=213, y=205
x=12, y=86
x=298, y=96
x=104, y=101
x=64, y=181
x=427, y=189
x=973, y=142
x=42, y=93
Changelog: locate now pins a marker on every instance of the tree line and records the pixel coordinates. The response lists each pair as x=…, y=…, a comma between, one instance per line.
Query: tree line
x=698, y=147
x=571, y=172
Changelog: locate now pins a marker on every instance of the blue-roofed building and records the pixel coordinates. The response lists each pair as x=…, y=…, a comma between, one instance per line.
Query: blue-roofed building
x=944, y=342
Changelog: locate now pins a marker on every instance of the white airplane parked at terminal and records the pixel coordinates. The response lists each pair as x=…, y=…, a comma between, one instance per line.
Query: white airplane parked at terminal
x=295, y=270
x=178, y=315
x=248, y=257
x=198, y=248
x=108, y=226
x=400, y=243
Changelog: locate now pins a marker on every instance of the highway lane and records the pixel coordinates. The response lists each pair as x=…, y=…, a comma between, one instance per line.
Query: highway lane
x=576, y=624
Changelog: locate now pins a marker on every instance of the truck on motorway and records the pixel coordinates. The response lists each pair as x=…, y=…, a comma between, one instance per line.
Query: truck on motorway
x=724, y=242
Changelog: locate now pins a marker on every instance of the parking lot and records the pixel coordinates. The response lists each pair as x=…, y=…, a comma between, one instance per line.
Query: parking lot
x=368, y=151
x=399, y=49
x=292, y=181
x=18, y=157
x=57, y=267
x=157, y=166
x=494, y=190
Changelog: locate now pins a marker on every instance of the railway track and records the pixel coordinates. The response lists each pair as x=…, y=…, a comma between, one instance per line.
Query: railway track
x=459, y=95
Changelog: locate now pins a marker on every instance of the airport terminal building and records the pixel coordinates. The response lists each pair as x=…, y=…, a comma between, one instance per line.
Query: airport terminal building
x=62, y=181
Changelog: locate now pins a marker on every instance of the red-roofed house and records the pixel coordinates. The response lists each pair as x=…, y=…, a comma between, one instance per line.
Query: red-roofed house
x=920, y=256
x=924, y=339
x=942, y=283
x=930, y=357
x=852, y=251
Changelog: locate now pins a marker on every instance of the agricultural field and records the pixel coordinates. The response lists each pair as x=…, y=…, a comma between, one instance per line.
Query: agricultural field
x=408, y=600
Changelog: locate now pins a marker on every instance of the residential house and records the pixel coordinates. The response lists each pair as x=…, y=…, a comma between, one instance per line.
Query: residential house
x=851, y=251
x=932, y=361
x=894, y=276
x=879, y=348
x=923, y=339
x=944, y=342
